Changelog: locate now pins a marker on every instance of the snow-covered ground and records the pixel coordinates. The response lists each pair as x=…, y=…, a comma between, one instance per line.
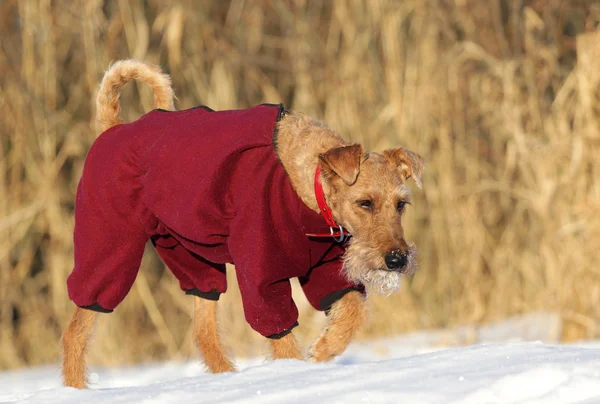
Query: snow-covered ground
x=407, y=369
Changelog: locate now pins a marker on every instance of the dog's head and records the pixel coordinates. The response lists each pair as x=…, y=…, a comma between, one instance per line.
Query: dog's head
x=368, y=194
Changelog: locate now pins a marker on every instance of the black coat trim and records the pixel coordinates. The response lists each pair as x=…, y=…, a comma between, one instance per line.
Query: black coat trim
x=280, y=114
x=211, y=295
x=328, y=301
x=96, y=307
x=283, y=333
x=204, y=107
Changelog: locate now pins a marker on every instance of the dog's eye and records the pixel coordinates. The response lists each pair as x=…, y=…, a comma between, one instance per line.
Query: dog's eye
x=366, y=204
x=400, y=206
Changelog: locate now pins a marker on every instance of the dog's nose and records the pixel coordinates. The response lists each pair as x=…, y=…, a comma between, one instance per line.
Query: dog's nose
x=395, y=260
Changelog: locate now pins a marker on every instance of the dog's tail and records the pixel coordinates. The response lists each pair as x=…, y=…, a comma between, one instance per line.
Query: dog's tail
x=119, y=74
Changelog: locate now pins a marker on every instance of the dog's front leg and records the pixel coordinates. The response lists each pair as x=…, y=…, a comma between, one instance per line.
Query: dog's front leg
x=345, y=318
x=285, y=347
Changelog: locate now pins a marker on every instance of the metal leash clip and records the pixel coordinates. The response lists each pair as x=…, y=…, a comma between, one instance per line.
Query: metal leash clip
x=342, y=235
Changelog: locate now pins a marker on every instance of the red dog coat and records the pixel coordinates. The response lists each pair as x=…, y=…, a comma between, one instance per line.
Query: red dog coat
x=206, y=188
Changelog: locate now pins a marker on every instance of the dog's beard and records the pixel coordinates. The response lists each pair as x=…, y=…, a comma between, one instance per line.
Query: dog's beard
x=382, y=281
x=376, y=279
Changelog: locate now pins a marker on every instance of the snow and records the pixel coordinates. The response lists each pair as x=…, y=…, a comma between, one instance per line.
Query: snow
x=406, y=369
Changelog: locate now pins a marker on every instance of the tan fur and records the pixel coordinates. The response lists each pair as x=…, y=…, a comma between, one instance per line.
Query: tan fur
x=303, y=143
x=108, y=107
x=409, y=163
x=285, y=347
x=300, y=142
x=344, y=162
x=345, y=318
x=350, y=176
x=206, y=336
x=74, y=344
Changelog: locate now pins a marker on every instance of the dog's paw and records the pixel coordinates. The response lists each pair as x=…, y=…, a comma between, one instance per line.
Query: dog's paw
x=322, y=350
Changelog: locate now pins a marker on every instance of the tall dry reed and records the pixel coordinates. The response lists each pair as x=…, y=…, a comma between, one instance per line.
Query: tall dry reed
x=501, y=97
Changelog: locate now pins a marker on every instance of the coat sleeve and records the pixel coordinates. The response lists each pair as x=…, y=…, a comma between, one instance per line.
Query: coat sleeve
x=326, y=283
x=197, y=276
x=262, y=273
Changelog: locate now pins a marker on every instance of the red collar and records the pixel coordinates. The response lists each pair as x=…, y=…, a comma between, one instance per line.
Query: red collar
x=336, y=231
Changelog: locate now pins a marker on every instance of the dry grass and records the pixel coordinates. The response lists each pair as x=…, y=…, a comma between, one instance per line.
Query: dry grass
x=501, y=97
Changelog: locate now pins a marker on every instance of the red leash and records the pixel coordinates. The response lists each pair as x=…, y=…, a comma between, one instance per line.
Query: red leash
x=336, y=231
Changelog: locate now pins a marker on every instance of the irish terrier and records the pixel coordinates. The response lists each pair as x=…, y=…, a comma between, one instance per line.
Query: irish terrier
x=273, y=191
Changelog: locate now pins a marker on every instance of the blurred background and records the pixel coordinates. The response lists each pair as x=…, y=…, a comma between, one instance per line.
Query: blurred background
x=501, y=97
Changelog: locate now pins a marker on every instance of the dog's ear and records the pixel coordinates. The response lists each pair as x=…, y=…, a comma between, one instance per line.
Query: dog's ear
x=343, y=161
x=409, y=163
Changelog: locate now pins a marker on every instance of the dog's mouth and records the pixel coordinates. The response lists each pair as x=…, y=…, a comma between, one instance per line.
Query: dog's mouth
x=380, y=278
x=402, y=271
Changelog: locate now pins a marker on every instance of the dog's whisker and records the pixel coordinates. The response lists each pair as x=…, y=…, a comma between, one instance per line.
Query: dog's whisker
x=376, y=276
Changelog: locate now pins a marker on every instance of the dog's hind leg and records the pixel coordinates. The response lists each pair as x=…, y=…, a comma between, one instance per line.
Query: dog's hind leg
x=206, y=336
x=285, y=347
x=345, y=318
x=74, y=346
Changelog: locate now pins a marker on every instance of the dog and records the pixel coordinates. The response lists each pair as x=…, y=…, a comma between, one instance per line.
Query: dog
x=273, y=191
